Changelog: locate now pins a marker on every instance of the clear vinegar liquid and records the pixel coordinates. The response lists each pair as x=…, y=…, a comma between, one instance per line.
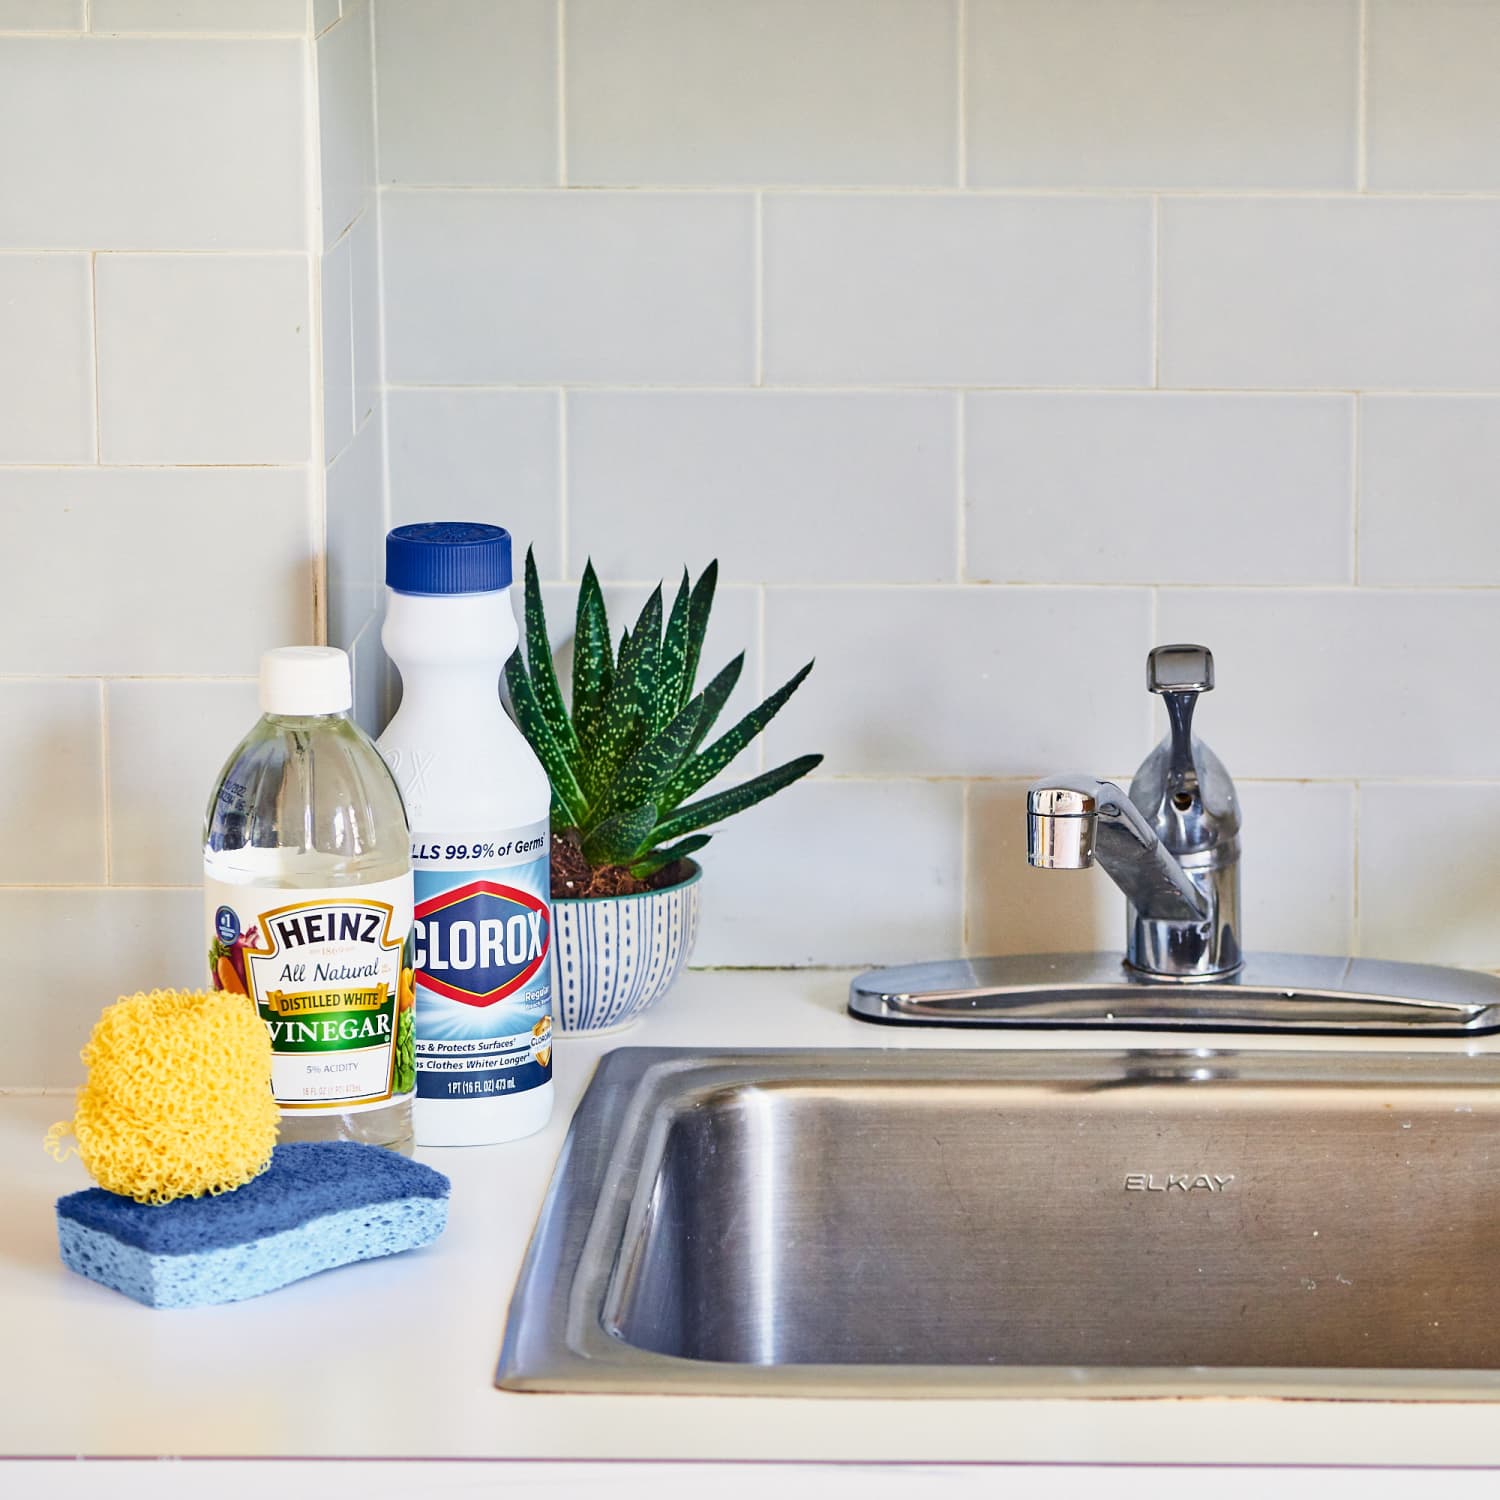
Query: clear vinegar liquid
x=307, y=803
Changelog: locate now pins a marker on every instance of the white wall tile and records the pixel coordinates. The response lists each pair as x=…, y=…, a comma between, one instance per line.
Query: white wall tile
x=1429, y=885
x=241, y=17
x=355, y=511
x=364, y=249
x=961, y=682
x=204, y=359
x=1354, y=683
x=153, y=571
x=41, y=15
x=346, y=121
x=1433, y=99
x=716, y=91
x=338, y=349
x=479, y=456
x=949, y=290
x=1429, y=498
x=1013, y=908
x=74, y=952
x=172, y=145
x=168, y=741
x=468, y=91
x=806, y=877
x=754, y=477
x=538, y=288
x=1162, y=93
x=1159, y=488
x=1303, y=293
x=46, y=359
x=52, y=761
x=1297, y=868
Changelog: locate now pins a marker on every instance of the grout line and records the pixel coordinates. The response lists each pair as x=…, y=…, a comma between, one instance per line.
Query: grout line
x=1156, y=293
x=961, y=449
x=94, y=330
x=1354, y=485
x=1056, y=585
x=964, y=836
x=760, y=669
x=121, y=677
x=562, y=483
x=7, y=887
x=1354, y=933
x=562, y=93
x=759, y=297
x=1362, y=109
x=109, y=853
x=963, y=93
x=936, y=190
x=907, y=387
x=318, y=479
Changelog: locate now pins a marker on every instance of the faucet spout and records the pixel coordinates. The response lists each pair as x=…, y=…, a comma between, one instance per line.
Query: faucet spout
x=1073, y=820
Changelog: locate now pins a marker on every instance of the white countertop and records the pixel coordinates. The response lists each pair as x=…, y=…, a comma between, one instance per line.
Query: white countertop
x=397, y=1357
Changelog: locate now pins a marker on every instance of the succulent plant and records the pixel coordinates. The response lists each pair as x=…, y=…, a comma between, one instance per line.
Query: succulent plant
x=636, y=746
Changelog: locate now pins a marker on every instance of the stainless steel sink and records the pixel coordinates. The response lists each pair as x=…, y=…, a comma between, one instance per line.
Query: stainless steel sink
x=1024, y=1223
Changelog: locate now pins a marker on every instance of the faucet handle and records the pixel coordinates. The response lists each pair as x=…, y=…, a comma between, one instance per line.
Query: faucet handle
x=1180, y=669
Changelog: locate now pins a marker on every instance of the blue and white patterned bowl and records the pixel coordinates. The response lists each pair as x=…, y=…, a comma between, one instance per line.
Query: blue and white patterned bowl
x=614, y=956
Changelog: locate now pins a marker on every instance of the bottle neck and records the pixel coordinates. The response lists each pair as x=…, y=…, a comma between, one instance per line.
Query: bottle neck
x=449, y=649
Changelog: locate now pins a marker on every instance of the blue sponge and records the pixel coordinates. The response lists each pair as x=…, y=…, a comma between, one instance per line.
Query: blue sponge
x=318, y=1205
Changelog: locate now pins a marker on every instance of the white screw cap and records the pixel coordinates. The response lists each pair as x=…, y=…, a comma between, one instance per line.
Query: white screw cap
x=305, y=680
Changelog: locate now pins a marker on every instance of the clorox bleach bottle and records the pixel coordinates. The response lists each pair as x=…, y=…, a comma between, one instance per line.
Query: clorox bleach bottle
x=477, y=801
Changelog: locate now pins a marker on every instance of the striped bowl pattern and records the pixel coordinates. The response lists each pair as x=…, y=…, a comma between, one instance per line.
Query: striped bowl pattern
x=613, y=956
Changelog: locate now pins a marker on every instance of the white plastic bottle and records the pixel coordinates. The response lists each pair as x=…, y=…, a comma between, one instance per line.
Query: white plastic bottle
x=308, y=894
x=477, y=800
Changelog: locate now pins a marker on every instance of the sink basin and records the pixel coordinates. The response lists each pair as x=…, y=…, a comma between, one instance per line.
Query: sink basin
x=1025, y=1223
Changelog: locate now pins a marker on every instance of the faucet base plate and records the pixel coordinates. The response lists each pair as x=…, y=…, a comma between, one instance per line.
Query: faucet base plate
x=1286, y=993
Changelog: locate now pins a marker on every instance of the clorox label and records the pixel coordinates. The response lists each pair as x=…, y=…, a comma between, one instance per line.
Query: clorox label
x=481, y=942
x=482, y=947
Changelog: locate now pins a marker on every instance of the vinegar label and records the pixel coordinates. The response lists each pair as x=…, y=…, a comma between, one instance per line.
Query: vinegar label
x=330, y=972
x=482, y=949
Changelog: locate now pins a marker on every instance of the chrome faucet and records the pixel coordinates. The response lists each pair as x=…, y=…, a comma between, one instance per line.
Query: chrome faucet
x=1172, y=845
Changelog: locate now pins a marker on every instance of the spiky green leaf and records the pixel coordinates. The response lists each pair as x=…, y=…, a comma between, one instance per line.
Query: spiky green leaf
x=671, y=694
x=618, y=839
x=659, y=859
x=716, y=695
x=533, y=722
x=621, y=725
x=700, y=604
x=736, y=799
x=702, y=768
x=652, y=765
x=539, y=664
x=593, y=657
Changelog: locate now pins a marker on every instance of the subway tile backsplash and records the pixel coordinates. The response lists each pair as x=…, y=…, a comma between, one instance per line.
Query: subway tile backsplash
x=152, y=143
x=987, y=342
x=1163, y=94
x=856, y=92
x=984, y=341
x=1159, y=488
x=232, y=386
x=957, y=289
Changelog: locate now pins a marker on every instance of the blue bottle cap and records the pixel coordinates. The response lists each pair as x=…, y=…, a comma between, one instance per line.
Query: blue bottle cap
x=447, y=557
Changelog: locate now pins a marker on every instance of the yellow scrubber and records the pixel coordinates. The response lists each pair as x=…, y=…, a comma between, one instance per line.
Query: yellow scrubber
x=178, y=1100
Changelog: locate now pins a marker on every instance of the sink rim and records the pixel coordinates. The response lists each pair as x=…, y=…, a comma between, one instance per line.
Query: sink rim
x=557, y=1338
